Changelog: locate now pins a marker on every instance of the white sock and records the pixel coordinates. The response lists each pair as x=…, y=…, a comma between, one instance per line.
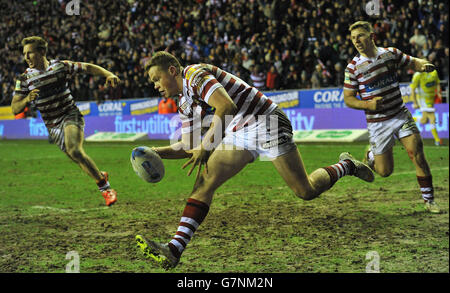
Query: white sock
x=370, y=157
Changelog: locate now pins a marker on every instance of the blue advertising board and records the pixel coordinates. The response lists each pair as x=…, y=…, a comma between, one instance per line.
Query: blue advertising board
x=168, y=126
x=118, y=108
x=325, y=98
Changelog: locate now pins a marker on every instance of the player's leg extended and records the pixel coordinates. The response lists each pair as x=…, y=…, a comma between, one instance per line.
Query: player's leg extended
x=73, y=137
x=291, y=168
x=383, y=164
x=222, y=165
x=414, y=146
x=379, y=154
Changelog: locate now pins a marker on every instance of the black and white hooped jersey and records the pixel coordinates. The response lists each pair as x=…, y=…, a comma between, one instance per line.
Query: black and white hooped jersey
x=55, y=99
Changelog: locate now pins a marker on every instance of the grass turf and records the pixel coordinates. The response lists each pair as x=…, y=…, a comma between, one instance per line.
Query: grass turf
x=49, y=207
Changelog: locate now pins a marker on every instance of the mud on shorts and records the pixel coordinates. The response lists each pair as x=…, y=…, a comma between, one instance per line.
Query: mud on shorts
x=270, y=137
x=382, y=134
x=56, y=133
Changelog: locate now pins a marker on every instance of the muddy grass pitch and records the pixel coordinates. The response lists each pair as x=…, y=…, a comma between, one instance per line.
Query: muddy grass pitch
x=50, y=211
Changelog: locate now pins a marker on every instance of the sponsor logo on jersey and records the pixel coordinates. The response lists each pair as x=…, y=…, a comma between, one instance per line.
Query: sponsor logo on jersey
x=381, y=83
x=362, y=65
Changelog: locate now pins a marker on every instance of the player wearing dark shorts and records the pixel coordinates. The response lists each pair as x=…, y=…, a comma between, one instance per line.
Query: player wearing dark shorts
x=45, y=84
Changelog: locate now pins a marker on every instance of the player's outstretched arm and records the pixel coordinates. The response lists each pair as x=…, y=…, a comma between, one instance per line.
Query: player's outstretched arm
x=93, y=69
x=421, y=65
x=176, y=150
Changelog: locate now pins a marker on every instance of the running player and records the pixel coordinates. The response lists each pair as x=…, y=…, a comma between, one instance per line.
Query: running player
x=428, y=86
x=373, y=74
x=245, y=125
x=45, y=84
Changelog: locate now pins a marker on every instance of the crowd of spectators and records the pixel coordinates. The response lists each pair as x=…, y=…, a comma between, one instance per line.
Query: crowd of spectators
x=279, y=44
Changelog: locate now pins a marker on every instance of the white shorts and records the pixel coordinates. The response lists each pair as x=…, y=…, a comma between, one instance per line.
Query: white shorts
x=382, y=134
x=269, y=139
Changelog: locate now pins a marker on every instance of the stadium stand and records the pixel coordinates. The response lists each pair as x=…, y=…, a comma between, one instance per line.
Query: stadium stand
x=306, y=42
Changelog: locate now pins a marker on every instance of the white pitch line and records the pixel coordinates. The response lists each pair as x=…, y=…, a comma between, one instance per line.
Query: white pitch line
x=67, y=210
x=414, y=172
x=53, y=209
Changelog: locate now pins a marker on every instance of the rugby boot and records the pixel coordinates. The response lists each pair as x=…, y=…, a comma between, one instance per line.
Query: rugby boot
x=362, y=171
x=432, y=207
x=110, y=195
x=158, y=252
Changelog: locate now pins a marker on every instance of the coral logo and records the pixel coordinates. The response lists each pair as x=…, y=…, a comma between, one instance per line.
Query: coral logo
x=111, y=108
x=329, y=96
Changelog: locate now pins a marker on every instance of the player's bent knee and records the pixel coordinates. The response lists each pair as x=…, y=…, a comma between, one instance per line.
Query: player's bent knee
x=203, y=185
x=385, y=172
x=75, y=153
x=306, y=194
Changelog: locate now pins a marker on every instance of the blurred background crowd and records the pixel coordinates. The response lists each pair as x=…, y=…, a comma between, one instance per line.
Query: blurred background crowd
x=279, y=44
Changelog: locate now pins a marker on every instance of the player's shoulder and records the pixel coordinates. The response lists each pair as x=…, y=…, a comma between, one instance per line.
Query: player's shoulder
x=393, y=50
x=193, y=70
x=24, y=75
x=352, y=64
x=197, y=75
x=57, y=64
x=190, y=70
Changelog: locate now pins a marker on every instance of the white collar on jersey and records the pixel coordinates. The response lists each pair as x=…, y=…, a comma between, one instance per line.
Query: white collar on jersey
x=379, y=52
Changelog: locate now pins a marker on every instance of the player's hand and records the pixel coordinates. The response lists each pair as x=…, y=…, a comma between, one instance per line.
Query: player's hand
x=415, y=106
x=428, y=67
x=112, y=80
x=199, y=157
x=33, y=95
x=375, y=104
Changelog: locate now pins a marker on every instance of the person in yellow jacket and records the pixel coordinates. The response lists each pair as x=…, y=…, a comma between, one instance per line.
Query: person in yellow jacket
x=427, y=85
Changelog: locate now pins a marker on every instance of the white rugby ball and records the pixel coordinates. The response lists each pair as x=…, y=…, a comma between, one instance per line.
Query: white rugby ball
x=147, y=164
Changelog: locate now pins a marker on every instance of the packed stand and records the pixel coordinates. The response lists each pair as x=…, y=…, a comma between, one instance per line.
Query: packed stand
x=280, y=44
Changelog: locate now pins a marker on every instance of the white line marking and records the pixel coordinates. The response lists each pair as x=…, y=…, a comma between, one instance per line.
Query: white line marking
x=67, y=210
x=52, y=209
x=414, y=172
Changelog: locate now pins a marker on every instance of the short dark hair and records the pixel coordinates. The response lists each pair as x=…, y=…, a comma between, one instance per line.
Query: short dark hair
x=41, y=44
x=367, y=26
x=164, y=60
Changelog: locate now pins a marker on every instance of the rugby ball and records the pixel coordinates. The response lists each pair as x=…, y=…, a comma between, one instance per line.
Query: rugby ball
x=147, y=164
